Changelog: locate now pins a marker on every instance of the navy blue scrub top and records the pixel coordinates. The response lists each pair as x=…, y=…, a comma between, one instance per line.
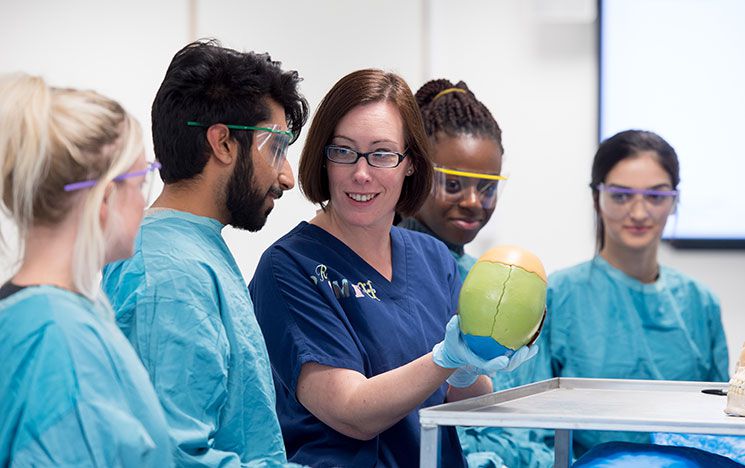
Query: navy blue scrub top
x=317, y=301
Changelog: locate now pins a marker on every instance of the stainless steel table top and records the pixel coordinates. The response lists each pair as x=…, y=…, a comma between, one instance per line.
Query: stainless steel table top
x=602, y=404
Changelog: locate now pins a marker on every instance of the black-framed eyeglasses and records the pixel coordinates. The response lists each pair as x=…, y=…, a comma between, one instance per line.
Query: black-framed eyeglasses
x=385, y=159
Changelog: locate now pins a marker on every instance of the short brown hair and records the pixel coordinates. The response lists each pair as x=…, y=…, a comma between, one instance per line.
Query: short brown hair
x=358, y=88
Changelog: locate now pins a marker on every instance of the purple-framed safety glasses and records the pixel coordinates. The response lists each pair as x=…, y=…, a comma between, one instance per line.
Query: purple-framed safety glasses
x=90, y=183
x=624, y=194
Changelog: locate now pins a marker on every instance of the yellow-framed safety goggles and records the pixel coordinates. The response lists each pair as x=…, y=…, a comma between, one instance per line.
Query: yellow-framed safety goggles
x=455, y=185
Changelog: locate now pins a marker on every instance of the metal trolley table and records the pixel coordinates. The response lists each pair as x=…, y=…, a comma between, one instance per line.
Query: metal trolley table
x=566, y=404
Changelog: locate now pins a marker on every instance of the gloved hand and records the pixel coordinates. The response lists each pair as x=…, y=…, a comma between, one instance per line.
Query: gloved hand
x=466, y=376
x=521, y=355
x=463, y=377
x=452, y=352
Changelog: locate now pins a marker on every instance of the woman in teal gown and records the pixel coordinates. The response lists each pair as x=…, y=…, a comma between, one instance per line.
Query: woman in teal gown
x=622, y=315
x=72, y=390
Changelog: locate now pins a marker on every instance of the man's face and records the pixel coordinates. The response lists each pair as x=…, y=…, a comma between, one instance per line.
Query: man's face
x=255, y=183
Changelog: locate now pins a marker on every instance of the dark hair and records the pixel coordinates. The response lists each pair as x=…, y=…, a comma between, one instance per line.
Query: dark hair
x=209, y=83
x=454, y=110
x=365, y=87
x=619, y=147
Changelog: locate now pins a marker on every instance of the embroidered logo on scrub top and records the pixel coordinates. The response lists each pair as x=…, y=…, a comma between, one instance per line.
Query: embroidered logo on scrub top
x=361, y=288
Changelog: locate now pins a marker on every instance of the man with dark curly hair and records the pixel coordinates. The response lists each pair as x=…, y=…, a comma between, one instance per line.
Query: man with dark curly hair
x=222, y=121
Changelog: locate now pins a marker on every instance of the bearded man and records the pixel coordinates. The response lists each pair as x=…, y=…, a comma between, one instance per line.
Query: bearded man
x=222, y=121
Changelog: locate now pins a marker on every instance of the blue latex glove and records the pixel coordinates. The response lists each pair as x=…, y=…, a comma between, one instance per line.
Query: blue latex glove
x=463, y=377
x=526, y=353
x=452, y=352
x=466, y=376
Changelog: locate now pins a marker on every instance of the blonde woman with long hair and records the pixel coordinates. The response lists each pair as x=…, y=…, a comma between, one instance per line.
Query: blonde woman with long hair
x=72, y=390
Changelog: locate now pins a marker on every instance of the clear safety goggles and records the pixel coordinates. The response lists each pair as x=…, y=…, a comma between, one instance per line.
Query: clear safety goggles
x=270, y=141
x=146, y=185
x=452, y=186
x=617, y=202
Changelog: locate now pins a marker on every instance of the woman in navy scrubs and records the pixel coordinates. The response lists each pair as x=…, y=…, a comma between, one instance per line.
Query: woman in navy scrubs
x=352, y=307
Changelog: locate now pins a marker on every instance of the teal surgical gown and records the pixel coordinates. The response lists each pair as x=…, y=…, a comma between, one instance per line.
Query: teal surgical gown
x=602, y=323
x=72, y=391
x=465, y=263
x=182, y=302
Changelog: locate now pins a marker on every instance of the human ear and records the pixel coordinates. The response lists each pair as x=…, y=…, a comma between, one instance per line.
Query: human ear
x=224, y=148
x=103, y=212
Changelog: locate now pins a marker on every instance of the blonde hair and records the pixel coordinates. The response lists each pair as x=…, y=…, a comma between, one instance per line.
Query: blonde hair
x=50, y=137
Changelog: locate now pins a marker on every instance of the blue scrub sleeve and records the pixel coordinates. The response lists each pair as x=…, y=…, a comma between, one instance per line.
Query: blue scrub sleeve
x=720, y=366
x=306, y=323
x=186, y=352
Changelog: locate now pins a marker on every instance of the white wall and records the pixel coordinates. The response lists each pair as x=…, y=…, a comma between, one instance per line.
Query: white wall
x=535, y=69
x=120, y=49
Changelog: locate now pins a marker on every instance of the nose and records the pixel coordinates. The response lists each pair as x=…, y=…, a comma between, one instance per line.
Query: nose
x=361, y=171
x=470, y=198
x=638, y=209
x=285, y=178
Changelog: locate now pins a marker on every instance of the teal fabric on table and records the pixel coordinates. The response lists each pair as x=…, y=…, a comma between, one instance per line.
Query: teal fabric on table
x=628, y=455
x=726, y=445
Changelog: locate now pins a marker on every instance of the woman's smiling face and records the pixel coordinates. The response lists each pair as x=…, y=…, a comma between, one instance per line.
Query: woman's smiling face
x=362, y=195
x=459, y=222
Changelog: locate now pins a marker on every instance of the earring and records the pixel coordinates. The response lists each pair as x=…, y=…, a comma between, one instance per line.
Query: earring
x=409, y=171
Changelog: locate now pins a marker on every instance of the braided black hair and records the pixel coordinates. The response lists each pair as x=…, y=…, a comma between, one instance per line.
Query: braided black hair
x=454, y=110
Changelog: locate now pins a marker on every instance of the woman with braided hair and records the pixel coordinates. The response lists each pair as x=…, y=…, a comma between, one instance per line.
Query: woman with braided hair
x=467, y=154
x=466, y=149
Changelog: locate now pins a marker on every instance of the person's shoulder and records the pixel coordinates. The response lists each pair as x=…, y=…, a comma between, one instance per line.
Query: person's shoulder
x=47, y=304
x=304, y=240
x=300, y=245
x=680, y=283
x=50, y=319
x=573, y=275
x=569, y=286
x=152, y=281
x=302, y=234
x=420, y=241
x=177, y=235
x=676, y=277
x=157, y=273
x=172, y=245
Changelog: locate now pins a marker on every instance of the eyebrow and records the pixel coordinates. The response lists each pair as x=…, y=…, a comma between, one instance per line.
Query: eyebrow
x=372, y=142
x=653, y=187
